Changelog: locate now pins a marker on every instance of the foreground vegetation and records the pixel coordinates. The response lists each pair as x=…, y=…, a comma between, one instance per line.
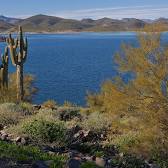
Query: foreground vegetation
x=65, y=129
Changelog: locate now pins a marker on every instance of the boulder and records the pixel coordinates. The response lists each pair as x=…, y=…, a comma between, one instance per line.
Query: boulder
x=17, y=139
x=40, y=164
x=74, y=163
x=36, y=107
x=100, y=162
x=3, y=135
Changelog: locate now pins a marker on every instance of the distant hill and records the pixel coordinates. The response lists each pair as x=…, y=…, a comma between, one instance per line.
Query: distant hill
x=4, y=26
x=9, y=19
x=44, y=23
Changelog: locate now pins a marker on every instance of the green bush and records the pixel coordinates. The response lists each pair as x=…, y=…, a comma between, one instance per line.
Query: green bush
x=46, y=131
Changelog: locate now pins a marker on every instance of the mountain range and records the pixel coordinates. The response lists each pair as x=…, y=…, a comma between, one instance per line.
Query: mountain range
x=43, y=23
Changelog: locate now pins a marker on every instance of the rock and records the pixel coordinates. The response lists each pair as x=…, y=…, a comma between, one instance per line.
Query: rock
x=74, y=153
x=154, y=166
x=49, y=162
x=18, y=139
x=121, y=154
x=36, y=107
x=5, y=127
x=24, y=141
x=4, y=136
x=2, y=132
x=87, y=158
x=100, y=162
x=74, y=163
x=86, y=136
x=40, y=164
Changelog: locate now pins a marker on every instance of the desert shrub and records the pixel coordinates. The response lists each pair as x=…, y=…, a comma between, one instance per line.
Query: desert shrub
x=46, y=131
x=11, y=113
x=27, y=107
x=96, y=121
x=50, y=104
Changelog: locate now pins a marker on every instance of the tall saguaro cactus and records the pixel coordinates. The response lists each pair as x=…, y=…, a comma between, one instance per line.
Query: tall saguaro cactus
x=4, y=69
x=18, y=53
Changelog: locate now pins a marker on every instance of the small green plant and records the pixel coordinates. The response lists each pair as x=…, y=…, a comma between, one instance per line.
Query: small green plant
x=46, y=131
x=99, y=153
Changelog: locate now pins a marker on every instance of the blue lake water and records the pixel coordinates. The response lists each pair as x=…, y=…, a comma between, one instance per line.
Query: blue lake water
x=66, y=66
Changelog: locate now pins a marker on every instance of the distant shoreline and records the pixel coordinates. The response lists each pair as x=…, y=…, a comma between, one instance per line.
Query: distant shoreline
x=75, y=32
x=70, y=32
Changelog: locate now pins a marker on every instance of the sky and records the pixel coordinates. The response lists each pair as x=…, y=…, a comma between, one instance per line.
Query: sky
x=79, y=9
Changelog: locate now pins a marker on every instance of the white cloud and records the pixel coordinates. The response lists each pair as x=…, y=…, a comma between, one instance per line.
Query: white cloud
x=141, y=12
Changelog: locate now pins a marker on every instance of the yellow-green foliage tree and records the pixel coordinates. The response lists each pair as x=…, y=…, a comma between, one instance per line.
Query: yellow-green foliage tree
x=139, y=108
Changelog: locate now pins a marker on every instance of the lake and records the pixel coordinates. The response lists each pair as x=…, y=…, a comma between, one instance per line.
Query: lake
x=67, y=66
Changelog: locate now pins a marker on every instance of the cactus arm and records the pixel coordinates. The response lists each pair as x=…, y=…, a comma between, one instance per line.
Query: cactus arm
x=25, y=44
x=16, y=43
x=6, y=58
x=12, y=45
x=13, y=55
x=2, y=58
x=2, y=76
x=25, y=47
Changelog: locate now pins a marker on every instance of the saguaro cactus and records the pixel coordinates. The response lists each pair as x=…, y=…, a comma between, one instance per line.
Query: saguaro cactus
x=4, y=69
x=18, y=53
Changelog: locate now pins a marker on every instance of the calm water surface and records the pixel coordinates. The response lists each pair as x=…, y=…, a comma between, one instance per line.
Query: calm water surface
x=66, y=66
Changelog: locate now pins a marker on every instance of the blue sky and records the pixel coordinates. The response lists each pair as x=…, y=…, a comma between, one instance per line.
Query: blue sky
x=78, y=9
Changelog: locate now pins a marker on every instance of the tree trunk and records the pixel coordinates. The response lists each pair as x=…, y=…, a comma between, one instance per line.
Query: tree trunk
x=20, y=91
